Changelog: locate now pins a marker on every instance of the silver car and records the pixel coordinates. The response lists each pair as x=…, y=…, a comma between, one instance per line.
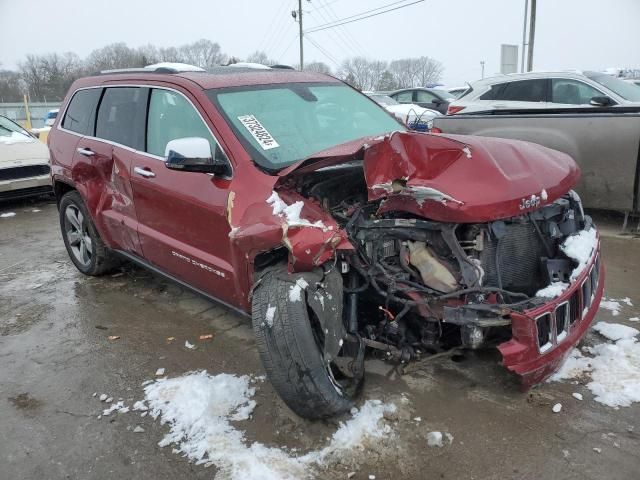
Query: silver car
x=24, y=163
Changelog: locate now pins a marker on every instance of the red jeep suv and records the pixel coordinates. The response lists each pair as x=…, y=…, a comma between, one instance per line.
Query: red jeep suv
x=292, y=198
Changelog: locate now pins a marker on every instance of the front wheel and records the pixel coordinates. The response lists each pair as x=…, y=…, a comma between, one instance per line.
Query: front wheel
x=290, y=343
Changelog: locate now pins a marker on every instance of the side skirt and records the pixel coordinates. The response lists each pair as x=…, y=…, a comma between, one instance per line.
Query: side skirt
x=143, y=263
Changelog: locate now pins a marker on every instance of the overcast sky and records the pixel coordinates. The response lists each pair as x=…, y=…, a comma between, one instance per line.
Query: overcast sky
x=570, y=34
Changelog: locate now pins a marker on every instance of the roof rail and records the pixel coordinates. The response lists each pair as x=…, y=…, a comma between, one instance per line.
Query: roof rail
x=164, y=67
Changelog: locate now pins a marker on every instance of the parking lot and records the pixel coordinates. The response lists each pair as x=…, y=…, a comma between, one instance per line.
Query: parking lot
x=56, y=352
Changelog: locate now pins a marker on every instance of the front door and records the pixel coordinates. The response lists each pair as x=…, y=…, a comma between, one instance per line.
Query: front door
x=182, y=222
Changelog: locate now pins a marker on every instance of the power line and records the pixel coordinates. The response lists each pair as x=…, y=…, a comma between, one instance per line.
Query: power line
x=275, y=27
x=338, y=39
x=346, y=32
x=344, y=21
x=324, y=52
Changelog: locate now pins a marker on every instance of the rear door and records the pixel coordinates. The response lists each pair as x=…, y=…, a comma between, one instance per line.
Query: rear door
x=119, y=136
x=182, y=225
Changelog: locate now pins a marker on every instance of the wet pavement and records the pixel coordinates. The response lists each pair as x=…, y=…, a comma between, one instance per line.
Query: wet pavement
x=55, y=353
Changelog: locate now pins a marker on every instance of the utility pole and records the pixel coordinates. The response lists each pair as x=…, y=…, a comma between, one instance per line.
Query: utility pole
x=524, y=35
x=300, y=27
x=532, y=35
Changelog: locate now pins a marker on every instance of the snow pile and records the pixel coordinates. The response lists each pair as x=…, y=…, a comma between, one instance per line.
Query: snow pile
x=614, y=368
x=16, y=137
x=612, y=305
x=200, y=408
x=580, y=247
x=615, y=331
x=8, y=214
x=291, y=213
x=552, y=291
x=119, y=407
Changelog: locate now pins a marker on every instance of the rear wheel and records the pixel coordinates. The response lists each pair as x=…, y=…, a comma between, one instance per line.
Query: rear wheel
x=290, y=343
x=84, y=245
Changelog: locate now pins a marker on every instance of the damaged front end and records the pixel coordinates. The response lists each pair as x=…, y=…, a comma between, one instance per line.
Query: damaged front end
x=450, y=242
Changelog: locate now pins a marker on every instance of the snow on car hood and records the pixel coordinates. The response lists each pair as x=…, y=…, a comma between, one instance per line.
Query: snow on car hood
x=21, y=149
x=455, y=178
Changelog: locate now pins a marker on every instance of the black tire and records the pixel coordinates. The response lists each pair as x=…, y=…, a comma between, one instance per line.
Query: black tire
x=290, y=352
x=98, y=259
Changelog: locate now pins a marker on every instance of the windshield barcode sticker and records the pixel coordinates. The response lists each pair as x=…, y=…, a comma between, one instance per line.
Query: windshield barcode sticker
x=257, y=131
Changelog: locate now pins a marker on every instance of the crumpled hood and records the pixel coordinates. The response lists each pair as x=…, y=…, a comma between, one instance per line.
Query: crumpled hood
x=460, y=178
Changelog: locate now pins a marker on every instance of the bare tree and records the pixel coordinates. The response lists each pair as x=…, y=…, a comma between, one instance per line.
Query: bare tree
x=116, y=55
x=11, y=86
x=427, y=70
x=202, y=53
x=318, y=67
x=260, y=57
x=48, y=77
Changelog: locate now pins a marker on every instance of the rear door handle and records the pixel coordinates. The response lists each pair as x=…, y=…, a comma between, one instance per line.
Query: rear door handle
x=87, y=152
x=143, y=172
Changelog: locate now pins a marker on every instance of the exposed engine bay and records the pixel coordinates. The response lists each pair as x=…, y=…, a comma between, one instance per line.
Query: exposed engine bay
x=415, y=286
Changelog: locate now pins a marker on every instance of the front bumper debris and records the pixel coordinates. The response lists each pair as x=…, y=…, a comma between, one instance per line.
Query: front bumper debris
x=544, y=336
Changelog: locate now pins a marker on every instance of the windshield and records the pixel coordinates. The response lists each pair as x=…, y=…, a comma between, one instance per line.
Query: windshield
x=282, y=124
x=626, y=90
x=11, y=129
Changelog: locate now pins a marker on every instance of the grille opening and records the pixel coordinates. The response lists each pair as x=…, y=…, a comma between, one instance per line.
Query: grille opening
x=574, y=307
x=543, y=323
x=15, y=173
x=593, y=276
x=562, y=321
x=586, y=295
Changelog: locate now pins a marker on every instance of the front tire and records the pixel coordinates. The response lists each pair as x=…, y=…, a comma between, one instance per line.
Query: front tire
x=85, y=247
x=290, y=351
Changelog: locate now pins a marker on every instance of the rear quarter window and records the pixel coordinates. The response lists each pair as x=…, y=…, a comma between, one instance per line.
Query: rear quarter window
x=81, y=113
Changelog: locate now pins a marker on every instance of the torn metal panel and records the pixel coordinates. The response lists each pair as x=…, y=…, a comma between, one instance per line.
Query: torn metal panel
x=463, y=179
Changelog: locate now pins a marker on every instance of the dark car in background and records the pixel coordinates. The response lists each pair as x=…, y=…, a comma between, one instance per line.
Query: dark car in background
x=433, y=98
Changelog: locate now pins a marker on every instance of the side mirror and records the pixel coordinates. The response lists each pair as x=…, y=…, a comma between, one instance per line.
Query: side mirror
x=193, y=154
x=603, y=101
x=437, y=102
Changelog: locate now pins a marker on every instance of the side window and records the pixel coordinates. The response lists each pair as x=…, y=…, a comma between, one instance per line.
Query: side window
x=121, y=116
x=572, y=92
x=493, y=93
x=171, y=116
x=525, y=91
x=81, y=113
x=405, y=97
x=424, y=97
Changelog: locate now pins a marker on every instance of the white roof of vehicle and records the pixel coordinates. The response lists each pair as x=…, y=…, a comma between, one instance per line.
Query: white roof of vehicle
x=578, y=74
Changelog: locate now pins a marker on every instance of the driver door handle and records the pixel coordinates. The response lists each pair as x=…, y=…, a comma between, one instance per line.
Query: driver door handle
x=144, y=172
x=87, y=152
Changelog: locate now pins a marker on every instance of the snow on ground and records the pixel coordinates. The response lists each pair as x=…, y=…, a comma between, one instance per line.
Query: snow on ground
x=615, y=331
x=201, y=411
x=291, y=213
x=7, y=215
x=580, y=247
x=614, y=368
x=612, y=305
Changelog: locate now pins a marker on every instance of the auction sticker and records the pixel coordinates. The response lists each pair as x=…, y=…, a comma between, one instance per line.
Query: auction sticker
x=257, y=131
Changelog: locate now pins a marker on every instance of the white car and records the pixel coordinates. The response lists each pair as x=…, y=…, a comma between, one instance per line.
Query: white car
x=414, y=116
x=24, y=163
x=544, y=90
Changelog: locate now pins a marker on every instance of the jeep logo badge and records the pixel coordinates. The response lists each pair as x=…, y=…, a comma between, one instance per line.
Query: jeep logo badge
x=531, y=202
